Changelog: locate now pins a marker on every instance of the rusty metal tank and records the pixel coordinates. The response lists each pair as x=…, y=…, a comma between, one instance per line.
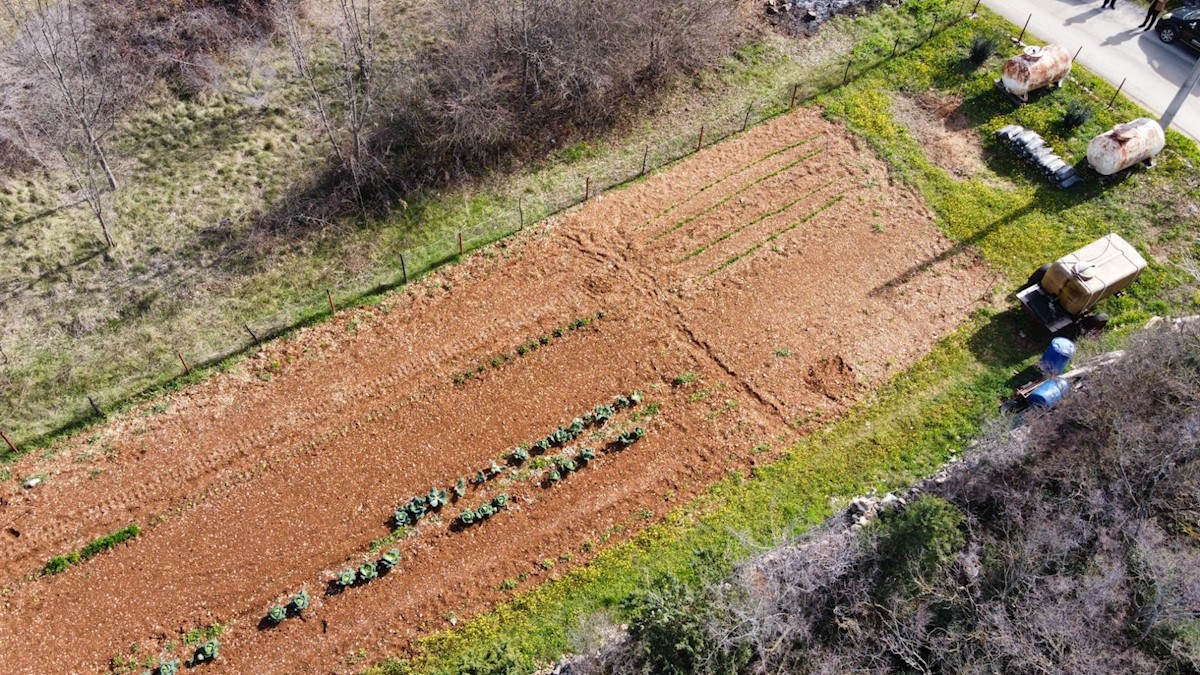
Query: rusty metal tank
x=1125, y=145
x=1083, y=278
x=1034, y=68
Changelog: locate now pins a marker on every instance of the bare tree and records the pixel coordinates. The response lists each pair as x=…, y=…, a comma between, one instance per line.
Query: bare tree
x=344, y=99
x=74, y=88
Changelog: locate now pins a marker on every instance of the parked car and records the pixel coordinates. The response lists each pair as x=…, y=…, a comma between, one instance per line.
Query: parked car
x=1182, y=26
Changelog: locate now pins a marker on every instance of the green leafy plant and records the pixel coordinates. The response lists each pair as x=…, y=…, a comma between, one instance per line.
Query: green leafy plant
x=586, y=455
x=519, y=455
x=300, y=601
x=559, y=332
x=485, y=511
x=467, y=517
x=565, y=465
x=630, y=437
x=367, y=571
x=500, y=501
x=460, y=488
x=636, y=397
x=522, y=350
x=206, y=652
x=682, y=379
x=437, y=498
x=542, y=445
x=416, y=508
x=389, y=560
x=603, y=413
x=622, y=401
x=346, y=578
x=495, y=469
x=554, y=476
x=277, y=613
x=170, y=667
x=401, y=517
x=60, y=563
x=576, y=427
x=480, y=478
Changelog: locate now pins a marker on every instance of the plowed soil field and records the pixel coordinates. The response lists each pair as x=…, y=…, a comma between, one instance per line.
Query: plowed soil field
x=782, y=269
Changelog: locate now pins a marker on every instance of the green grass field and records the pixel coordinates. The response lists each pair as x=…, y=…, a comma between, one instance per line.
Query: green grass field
x=1014, y=220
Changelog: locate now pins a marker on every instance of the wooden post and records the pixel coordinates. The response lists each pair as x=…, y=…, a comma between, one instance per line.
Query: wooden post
x=932, y=30
x=95, y=408
x=795, y=90
x=186, y=370
x=645, y=156
x=1022, y=36
x=746, y=122
x=976, y=10
x=10, y=443
x=1073, y=58
x=403, y=268
x=846, y=75
x=895, y=46
x=329, y=297
x=1118, y=93
x=252, y=335
x=587, y=187
x=520, y=213
x=461, y=251
x=700, y=139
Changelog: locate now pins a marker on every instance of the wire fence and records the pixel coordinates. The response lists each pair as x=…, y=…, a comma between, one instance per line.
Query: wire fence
x=167, y=362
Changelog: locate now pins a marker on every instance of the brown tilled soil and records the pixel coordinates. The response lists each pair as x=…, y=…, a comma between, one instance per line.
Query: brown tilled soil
x=949, y=138
x=782, y=268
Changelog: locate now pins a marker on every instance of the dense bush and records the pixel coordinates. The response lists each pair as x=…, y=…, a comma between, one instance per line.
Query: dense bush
x=1077, y=114
x=1066, y=545
x=983, y=47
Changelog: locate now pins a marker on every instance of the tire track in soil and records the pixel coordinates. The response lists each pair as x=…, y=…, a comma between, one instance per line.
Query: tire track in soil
x=363, y=421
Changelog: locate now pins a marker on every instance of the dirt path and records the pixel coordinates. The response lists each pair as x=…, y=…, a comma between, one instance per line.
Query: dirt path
x=777, y=268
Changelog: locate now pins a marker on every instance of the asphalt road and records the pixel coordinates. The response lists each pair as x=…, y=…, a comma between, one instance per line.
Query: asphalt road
x=1114, y=48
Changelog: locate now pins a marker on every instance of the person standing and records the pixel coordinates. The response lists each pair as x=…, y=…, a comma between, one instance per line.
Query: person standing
x=1111, y=4
x=1156, y=8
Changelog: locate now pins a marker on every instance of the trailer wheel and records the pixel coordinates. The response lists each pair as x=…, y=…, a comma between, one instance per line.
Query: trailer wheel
x=1094, y=322
x=1036, y=278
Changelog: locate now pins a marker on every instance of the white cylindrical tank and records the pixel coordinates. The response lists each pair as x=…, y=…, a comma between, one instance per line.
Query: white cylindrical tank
x=1035, y=68
x=1125, y=145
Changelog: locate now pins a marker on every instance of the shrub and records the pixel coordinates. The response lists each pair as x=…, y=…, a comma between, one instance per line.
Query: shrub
x=300, y=601
x=925, y=535
x=389, y=560
x=277, y=613
x=1078, y=114
x=346, y=578
x=367, y=571
x=500, y=501
x=982, y=49
x=669, y=626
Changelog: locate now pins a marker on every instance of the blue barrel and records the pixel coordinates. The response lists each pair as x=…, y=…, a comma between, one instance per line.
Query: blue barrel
x=1049, y=393
x=1057, y=356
